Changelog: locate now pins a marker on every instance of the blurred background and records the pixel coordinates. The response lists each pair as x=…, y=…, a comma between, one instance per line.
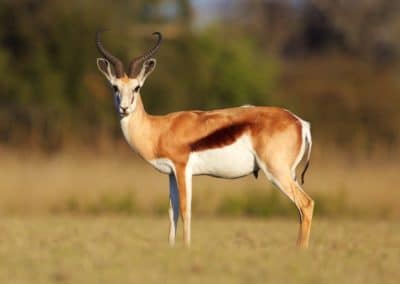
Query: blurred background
x=333, y=63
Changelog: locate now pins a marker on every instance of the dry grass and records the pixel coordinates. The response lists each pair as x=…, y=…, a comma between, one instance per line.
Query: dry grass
x=38, y=247
x=135, y=250
x=83, y=183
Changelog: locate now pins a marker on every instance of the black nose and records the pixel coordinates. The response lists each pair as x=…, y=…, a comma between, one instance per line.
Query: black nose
x=124, y=109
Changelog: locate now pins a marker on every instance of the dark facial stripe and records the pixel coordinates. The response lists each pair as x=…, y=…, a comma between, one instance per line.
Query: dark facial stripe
x=221, y=137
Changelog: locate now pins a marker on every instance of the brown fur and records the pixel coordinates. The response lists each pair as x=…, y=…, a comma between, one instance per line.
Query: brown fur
x=221, y=137
x=177, y=134
x=125, y=78
x=275, y=133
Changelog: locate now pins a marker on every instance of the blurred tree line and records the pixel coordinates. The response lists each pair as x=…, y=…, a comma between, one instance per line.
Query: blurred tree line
x=335, y=63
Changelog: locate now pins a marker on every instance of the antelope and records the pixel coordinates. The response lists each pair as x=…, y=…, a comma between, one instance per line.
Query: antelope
x=225, y=143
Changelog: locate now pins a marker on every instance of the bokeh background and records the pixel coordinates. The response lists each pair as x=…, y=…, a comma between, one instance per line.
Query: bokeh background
x=333, y=63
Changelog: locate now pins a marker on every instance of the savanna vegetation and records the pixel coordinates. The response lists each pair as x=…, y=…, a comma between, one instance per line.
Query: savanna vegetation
x=333, y=63
x=77, y=206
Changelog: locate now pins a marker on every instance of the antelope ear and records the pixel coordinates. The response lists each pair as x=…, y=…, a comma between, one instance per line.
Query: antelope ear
x=105, y=67
x=147, y=68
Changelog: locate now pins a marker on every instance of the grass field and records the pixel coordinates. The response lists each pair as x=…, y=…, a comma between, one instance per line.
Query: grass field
x=134, y=250
x=82, y=183
x=87, y=218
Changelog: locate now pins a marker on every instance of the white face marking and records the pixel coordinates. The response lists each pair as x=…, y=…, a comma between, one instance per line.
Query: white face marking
x=232, y=161
x=125, y=93
x=125, y=89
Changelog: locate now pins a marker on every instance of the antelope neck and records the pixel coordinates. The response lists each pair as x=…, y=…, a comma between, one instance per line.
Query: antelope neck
x=138, y=131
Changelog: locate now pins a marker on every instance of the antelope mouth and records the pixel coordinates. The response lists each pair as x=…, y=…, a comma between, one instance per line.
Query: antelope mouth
x=123, y=114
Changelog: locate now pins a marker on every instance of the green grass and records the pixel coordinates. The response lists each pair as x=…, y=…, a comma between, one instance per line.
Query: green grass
x=123, y=249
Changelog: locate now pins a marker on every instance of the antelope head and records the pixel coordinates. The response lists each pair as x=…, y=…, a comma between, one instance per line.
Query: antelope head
x=126, y=86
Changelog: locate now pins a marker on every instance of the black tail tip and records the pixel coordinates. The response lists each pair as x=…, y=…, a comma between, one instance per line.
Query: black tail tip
x=304, y=172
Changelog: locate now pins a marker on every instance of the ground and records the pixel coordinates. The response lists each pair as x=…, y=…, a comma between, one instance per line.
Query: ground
x=134, y=249
x=79, y=218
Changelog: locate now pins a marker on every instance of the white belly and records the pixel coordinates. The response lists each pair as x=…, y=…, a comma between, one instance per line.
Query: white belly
x=163, y=165
x=232, y=161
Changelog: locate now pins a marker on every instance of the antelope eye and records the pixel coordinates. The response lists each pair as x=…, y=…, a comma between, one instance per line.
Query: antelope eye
x=136, y=89
x=115, y=89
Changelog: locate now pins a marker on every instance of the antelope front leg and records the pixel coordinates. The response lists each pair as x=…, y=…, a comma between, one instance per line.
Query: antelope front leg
x=173, y=208
x=184, y=180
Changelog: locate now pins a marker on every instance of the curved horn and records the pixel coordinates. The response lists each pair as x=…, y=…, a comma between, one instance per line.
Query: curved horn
x=134, y=66
x=118, y=66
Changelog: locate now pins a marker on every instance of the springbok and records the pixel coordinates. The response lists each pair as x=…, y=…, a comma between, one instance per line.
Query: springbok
x=225, y=143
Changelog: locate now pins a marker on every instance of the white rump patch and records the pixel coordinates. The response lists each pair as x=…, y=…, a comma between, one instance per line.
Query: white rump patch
x=232, y=161
x=306, y=138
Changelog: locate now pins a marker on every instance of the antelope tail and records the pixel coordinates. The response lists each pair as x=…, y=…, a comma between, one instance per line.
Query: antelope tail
x=308, y=144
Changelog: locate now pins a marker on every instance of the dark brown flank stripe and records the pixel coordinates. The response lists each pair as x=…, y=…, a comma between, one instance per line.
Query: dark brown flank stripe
x=221, y=137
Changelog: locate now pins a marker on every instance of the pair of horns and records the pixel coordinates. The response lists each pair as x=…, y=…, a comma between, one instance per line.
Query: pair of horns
x=135, y=65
